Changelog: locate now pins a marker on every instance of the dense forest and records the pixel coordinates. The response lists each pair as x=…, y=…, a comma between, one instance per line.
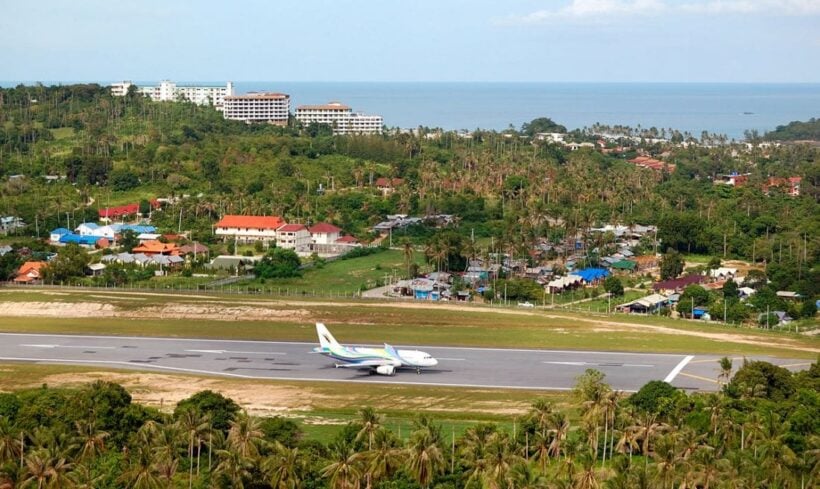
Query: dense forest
x=761, y=431
x=506, y=186
x=796, y=131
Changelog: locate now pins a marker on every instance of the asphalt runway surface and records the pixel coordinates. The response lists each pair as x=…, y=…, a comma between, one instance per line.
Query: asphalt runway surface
x=458, y=367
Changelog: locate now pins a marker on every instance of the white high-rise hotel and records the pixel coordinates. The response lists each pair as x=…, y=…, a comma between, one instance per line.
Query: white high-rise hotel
x=340, y=117
x=273, y=108
x=168, y=91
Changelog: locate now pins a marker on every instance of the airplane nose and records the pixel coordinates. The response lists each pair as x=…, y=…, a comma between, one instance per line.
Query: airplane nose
x=433, y=362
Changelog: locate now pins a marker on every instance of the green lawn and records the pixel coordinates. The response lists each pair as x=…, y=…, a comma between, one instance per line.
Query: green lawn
x=344, y=276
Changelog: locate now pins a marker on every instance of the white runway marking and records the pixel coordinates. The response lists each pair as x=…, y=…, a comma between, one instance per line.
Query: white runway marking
x=590, y=364
x=451, y=359
x=675, y=371
x=220, y=352
x=74, y=346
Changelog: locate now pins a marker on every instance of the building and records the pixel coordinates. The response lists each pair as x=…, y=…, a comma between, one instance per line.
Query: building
x=29, y=272
x=324, y=233
x=790, y=186
x=11, y=223
x=340, y=117
x=248, y=229
x=294, y=237
x=168, y=91
x=273, y=108
x=154, y=247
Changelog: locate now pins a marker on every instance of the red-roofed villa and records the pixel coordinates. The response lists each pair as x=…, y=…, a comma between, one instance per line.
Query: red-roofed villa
x=248, y=229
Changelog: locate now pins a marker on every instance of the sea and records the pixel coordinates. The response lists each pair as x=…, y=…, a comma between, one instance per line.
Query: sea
x=721, y=108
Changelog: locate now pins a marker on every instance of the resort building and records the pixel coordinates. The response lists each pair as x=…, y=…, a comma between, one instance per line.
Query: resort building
x=168, y=91
x=324, y=233
x=339, y=117
x=249, y=229
x=273, y=108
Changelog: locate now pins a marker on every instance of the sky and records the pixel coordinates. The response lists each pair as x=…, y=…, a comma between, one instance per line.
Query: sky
x=412, y=40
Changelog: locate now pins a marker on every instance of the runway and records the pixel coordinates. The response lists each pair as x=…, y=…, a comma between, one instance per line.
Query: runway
x=458, y=367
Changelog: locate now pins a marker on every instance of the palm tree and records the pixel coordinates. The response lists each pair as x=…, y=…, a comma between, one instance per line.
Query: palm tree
x=425, y=458
x=500, y=459
x=91, y=442
x=9, y=441
x=345, y=470
x=725, y=370
x=385, y=457
x=559, y=429
x=245, y=436
x=370, y=423
x=524, y=476
x=540, y=413
x=234, y=467
x=140, y=473
x=37, y=470
x=283, y=467
x=666, y=459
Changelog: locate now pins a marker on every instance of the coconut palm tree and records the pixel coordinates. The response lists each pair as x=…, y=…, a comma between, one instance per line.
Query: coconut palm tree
x=370, y=423
x=91, y=441
x=233, y=467
x=425, y=458
x=245, y=435
x=524, y=476
x=500, y=459
x=38, y=470
x=345, y=468
x=10, y=444
x=540, y=414
x=140, y=473
x=385, y=457
x=284, y=467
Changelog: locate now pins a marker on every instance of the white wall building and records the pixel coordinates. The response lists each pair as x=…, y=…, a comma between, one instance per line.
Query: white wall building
x=340, y=117
x=168, y=91
x=324, y=233
x=273, y=108
x=294, y=237
x=249, y=229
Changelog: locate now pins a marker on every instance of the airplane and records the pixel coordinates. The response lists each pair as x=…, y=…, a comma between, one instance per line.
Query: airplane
x=382, y=361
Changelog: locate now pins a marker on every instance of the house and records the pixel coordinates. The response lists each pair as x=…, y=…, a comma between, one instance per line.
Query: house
x=87, y=229
x=29, y=272
x=733, y=179
x=84, y=241
x=592, y=275
x=387, y=185
x=11, y=223
x=110, y=213
x=782, y=317
x=193, y=249
x=96, y=269
x=229, y=262
x=248, y=229
x=645, y=305
x=153, y=247
x=562, y=283
x=293, y=237
x=788, y=295
x=4, y=249
x=348, y=240
x=143, y=237
x=723, y=273
x=677, y=284
x=790, y=186
x=652, y=164
x=324, y=233
x=624, y=265
x=55, y=235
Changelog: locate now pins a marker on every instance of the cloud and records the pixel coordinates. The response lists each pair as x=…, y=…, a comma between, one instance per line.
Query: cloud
x=604, y=10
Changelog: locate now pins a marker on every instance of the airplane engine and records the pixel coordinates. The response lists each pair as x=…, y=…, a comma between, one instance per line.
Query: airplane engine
x=386, y=370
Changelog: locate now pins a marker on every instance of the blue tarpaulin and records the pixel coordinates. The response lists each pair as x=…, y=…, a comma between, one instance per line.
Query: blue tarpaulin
x=591, y=274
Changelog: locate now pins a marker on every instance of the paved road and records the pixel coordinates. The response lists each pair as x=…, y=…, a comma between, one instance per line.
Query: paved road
x=475, y=367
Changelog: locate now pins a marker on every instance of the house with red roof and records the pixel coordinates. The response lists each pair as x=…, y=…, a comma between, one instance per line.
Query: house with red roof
x=249, y=229
x=388, y=185
x=348, y=240
x=790, y=186
x=652, y=164
x=324, y=233
x=294, y=237
x=154, y=247
x=119, y=212
x=29, y=272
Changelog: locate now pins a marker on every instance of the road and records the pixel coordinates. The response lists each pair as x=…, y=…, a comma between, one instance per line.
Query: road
x=463, y=367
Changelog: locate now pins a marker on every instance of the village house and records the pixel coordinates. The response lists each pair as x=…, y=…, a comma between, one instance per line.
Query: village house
x=388, y=185
x=294, y=237
x=29, y=272
x=109, y=214
x=249, y=229
x=324, y=233
x=154, y=247
x=678, y=284
x=10, y=224
x=645, y=305
x=790, y=186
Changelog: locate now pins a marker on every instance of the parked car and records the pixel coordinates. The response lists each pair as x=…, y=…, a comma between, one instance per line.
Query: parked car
x=526, y=304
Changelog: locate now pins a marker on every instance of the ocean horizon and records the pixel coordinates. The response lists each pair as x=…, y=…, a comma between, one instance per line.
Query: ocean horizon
x=721, y=108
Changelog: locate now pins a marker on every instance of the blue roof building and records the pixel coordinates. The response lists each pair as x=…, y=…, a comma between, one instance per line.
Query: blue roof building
x=592, y=274
x=79, y=239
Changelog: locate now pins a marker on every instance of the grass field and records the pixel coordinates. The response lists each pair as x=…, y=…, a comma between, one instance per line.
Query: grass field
x=346, y=276
x=320, y=408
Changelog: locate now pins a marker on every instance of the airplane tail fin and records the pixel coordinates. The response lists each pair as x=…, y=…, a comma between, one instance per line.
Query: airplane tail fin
x=326, y=340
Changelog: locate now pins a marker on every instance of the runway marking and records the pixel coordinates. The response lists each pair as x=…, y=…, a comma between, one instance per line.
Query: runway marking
x=74, y=346
x=290, y=379
x=795, y=365
x=153, y=338
x=715, y=360
x=220, y=352
x=698, y=377
x=675, y=371
x=451, y=359
x=591, y=364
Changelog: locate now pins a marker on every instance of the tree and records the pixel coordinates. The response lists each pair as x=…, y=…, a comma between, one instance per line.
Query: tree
x=123, y=180
x=671, y=264
x=70, y=262
x=218, y=408
x=541, y=124
x=278, y=263
x=613, y=285
x=144, y=207
x=655, y=397
x=128, y=240
x=762, y=379
x=693, y=296
x=730, y=291
x=714, y=263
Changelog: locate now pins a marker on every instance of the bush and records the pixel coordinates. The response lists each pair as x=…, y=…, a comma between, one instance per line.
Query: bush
x=278, y=263
x=762, y=379
x=221, y=409
x=656, y=397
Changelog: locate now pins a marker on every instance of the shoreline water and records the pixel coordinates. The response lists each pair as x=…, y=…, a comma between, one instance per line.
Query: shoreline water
x=721, y=108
